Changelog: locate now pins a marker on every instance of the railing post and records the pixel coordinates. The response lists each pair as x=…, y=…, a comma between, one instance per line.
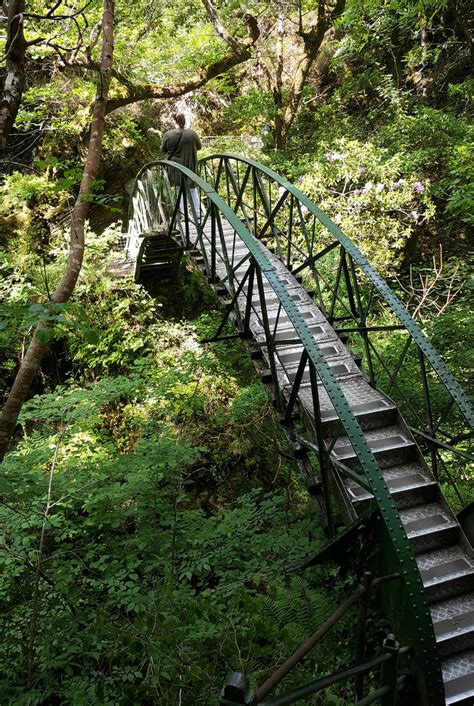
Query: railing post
x=213, y=242
x=390, y=670
x=237, y=692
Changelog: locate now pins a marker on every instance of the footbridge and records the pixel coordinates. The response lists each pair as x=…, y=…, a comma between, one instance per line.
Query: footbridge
x=368, y=422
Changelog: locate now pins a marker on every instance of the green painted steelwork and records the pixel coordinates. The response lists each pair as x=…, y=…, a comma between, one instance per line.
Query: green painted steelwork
x=416, y=626
x=274, y=209
x=395, y=304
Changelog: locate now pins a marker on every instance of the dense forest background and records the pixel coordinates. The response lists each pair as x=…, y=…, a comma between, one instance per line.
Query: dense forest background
x=149, y=501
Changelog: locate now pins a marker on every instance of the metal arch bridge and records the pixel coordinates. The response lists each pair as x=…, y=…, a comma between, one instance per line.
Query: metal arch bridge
x=316, y=317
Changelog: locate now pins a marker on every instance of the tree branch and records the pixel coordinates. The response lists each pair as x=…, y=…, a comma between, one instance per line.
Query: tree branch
x=219, y=27
x=51, y=16
x=132, y=93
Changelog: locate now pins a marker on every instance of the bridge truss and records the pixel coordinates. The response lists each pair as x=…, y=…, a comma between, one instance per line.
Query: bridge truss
x=318, y=316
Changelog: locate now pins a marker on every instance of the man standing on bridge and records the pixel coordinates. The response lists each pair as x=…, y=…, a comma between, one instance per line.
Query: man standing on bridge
x=181, y=145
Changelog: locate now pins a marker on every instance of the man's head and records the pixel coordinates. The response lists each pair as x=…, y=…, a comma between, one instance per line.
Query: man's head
x=180, y=120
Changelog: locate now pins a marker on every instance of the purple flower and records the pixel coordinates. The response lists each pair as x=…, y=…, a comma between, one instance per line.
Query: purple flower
x=418, y=187
x=361, y=170
x=379, y=187
x=415, y=215
x=300, y=179
x=304, y=209
x=368, y=186
x=357, y=192
x=334, y=156
x=398, y=184
x=281, y=190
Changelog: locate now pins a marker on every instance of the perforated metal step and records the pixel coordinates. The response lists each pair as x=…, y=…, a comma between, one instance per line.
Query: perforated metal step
x=453, y=621
x=409, y=484
x=446, y=573
x=458, y=677
x=429, y=527
x=390, y=445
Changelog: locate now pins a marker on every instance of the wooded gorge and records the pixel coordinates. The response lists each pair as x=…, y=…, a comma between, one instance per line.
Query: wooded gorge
x=150, y=501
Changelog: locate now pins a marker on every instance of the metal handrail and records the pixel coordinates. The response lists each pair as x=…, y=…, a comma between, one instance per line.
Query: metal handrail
x=314, y=687
x=307, y=646
x=363, y=590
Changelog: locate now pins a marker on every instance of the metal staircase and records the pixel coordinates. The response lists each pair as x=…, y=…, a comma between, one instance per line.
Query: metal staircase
x=158, y=255
x=368, y=456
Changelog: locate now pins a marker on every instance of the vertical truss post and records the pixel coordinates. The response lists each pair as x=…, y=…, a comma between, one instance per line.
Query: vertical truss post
x=248, y=304
x=366, y=581
x=231, y=172
x=428, y=411
x=268, y=337
x=390, y=670
x=323, y=457
x=196, y=216
x=307, y=238
x=315, y=272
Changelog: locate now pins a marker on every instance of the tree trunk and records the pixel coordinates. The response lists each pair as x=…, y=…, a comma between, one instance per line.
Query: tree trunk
x=464, y=21
x=36, y=349
x=12, y=76
x=313, y=40
x=287, y=115
x=277, y=90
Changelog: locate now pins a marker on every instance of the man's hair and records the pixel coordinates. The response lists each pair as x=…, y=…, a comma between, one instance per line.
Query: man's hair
x=180, y=119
